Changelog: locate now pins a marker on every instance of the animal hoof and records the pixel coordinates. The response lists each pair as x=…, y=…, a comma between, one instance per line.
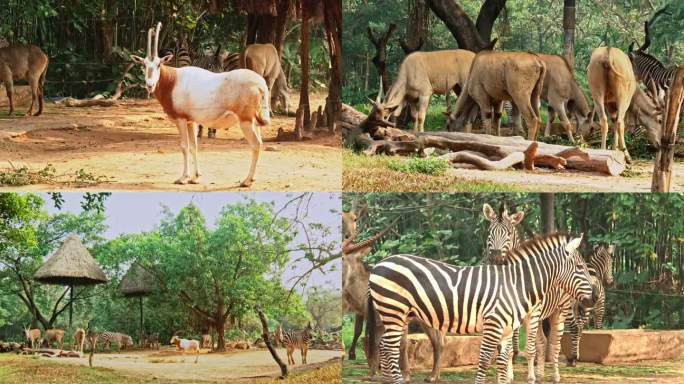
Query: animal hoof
x=182, y=181
x=194, y=180
x=430, y=379
x=246, y=183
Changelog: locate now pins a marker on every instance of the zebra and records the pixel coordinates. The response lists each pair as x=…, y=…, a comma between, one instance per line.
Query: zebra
x=601, y=270
x=653, y=73
x=295, y=339
x=492, y=299
x=106, y=338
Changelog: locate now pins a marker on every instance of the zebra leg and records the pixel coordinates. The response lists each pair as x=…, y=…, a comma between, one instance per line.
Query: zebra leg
x=540, y=357
x=211, y=132
x=358, y=329
x=530, y=343
x=491, y=339
x=389, y=354
x=557, y=326
x=504, y=370
x=516, y=343
x=404, y=365
x=575, y=332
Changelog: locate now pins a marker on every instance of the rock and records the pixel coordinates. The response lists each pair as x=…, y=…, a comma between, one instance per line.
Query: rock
x=458, y=350
x=626, y=345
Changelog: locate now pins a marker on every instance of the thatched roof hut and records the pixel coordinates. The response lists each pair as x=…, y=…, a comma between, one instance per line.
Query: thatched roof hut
x=71, y=264
x=138, y=281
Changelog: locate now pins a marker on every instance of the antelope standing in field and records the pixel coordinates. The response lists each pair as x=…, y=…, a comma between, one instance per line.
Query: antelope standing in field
x=186, y=345
x=192, y=96
x=24, y=62
x=32, y=336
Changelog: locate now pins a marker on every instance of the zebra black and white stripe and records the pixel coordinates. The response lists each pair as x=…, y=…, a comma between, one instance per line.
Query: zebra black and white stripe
x=492, y=299
x=122, y=340
x=653, y=73
x=292, y=340
x=601, y=270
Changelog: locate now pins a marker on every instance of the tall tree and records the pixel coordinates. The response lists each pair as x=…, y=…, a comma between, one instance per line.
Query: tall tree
x=548, y=214
x=471, y=36
x=569, y=31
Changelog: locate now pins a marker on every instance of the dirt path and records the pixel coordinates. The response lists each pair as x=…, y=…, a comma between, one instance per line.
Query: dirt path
x=544, y=180
x=172, y=365
x=134, y=147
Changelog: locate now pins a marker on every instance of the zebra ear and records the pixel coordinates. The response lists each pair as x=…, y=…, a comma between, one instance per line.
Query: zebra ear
x=488, y=212
x=573, y=244
x=516, y=218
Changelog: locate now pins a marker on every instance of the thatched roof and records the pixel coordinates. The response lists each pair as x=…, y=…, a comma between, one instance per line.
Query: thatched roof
x=138, y=281
x=71, y=264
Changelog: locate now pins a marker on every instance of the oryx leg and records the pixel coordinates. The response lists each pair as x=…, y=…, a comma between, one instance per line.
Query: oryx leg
x=496, y=118
x=559, y=107
x=253, y=135
x=358, y=329
x=182, y=125
x=422, y=107
x=192, y=138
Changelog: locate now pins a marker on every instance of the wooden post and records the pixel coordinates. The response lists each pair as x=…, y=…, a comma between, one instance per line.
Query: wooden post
x=142, y=332
x=267, y=341
x=71, y=304
x=662, y=169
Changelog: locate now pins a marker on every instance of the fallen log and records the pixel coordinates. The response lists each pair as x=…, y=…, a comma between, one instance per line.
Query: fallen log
x=483, y=151
x=71, y=102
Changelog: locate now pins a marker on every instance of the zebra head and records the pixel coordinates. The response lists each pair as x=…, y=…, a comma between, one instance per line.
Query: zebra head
x=601, y=262
x=574, y=275
x=152, y=63
x=503, y=235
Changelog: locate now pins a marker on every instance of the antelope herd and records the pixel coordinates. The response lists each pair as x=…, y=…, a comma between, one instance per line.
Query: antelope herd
x=488, y=81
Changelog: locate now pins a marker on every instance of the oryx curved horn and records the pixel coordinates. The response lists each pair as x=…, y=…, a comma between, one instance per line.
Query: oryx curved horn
x=156, y=40
x=378, y=99
x=348, y=247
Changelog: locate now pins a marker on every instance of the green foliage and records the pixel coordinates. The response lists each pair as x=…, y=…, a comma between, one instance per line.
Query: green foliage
x=426, y=165
x=648, y=235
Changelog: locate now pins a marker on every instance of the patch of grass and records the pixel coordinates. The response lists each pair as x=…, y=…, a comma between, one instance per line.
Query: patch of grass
x=15, y=369
x=383, y=174
x=426, y=165
x=329, y=373
x=16, y=177
x=24, y=176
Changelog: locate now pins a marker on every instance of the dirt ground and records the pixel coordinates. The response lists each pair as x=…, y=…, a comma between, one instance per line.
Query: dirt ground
x=133, y=146
x=639, y=179
x=650, y=371
x=172, y=365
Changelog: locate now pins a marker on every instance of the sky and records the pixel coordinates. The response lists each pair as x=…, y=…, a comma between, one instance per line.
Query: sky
x=130, y=212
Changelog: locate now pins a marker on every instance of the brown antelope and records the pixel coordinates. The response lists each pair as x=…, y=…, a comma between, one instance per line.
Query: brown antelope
x=24, y=62
x=498, y=76
x=421, y=75
x=32, y=336
x=192, y=96
x=264, y=60
x=613, y=84
x=54, y=336
x=79, y=338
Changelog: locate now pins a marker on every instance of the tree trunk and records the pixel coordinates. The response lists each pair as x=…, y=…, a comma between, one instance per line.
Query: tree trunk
x=220, y=327
x=379, y=60
x=417, y=27
x=548, y=217
x=662, y=169
x=333, y=26
x=468, y=35
x=569, y=32
x=304, y=55
x=265, y=336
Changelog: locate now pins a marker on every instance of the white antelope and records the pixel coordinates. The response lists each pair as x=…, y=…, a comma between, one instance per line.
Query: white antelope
x=186, y=346
x=191, y=96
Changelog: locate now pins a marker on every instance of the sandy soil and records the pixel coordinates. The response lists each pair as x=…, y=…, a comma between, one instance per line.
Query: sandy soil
x=134, y=147
x=545, y=180
x=172, y=365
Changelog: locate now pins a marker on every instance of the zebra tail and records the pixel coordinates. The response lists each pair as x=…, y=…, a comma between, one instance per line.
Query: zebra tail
x=546, y=327
x=370, y=328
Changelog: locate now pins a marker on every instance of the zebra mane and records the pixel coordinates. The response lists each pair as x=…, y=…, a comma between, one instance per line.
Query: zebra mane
x=527, y=247
x=650, y=58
